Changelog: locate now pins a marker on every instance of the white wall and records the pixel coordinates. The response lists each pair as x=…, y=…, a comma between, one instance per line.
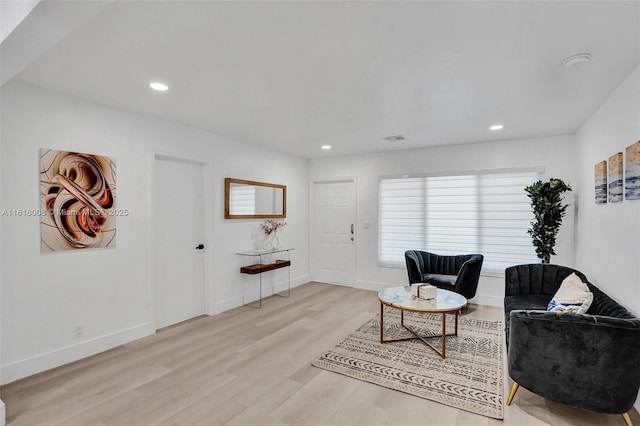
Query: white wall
x=13, y=12
x=110, y=291
x=556, y=154
x=2, y=407
x=608, y=235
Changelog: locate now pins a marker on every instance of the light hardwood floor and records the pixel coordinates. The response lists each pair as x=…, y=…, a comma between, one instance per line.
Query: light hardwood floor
x=253, y=367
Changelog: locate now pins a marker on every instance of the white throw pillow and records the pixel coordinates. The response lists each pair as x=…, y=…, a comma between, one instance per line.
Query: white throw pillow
x=572, y=296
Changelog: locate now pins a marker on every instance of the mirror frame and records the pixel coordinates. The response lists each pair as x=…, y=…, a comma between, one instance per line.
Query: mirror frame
x=227, y=192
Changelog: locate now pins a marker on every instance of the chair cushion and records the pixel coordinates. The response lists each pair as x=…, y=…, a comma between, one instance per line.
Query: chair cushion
x=440, y=280
x=572, y=296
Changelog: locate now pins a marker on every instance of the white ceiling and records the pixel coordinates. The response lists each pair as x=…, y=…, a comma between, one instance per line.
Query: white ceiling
x=296, y=75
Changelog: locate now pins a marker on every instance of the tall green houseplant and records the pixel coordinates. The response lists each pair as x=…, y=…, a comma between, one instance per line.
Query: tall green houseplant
x=548, y=209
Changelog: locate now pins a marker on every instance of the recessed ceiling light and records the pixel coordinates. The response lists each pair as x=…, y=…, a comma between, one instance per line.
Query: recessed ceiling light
x=572, y=62
x=161, y=87
x=326, y=147
x=496, y=127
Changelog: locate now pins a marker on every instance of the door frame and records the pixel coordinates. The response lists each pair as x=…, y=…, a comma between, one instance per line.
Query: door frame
x=208, y=254
x=312, y=220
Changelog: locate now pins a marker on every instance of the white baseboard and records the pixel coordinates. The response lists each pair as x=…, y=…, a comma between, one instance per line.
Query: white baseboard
x=227, y=305
x=39, y=363
x=295, y=282
x=3, y=413
x=237, y=301
x=373, y=286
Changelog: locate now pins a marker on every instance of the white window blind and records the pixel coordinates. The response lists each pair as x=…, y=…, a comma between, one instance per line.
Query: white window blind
x=486, y=213
x=242, y=199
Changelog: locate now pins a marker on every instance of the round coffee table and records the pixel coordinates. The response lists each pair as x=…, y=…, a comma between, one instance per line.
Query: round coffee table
x=446, y=302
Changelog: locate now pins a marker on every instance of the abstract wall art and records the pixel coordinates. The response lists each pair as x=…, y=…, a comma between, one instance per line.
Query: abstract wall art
x=632, y=172
x=77, y=198
x=600, y=173
x=615, y=178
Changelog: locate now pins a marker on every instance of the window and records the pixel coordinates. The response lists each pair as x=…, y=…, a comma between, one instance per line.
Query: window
x=242, y=199
x=481, y=212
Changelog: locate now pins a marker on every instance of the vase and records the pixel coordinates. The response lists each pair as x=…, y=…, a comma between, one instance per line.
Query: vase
x=268, y=244
x=271, y=242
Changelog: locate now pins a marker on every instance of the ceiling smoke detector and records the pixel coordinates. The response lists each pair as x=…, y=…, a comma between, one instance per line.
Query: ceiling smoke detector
x=572, y=62
x=394, y=138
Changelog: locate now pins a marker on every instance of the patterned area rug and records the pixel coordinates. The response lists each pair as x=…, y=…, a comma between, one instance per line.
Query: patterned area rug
x=470, y=378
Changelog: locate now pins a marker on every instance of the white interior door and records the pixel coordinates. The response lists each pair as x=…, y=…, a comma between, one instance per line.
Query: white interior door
x=178, y=230
x=333, y=233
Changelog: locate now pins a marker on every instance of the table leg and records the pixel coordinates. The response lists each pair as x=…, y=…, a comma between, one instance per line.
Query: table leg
x=444, y=334
x=415, y=334
x=456, y=333
x=381, y=322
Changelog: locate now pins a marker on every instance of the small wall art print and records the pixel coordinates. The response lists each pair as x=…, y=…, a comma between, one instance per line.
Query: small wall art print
x=78, y=199
x=632, y=172
x=615, y=178
x=600, y=173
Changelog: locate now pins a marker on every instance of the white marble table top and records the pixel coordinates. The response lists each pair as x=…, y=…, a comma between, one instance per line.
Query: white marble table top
x=400, y=297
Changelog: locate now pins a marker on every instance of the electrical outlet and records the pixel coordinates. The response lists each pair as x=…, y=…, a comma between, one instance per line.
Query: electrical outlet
x=78, y=331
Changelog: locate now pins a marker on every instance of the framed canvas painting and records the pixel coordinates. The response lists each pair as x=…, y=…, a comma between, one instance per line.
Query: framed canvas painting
x=632, y=172
x=77, y=200
x=614, y=179
x=600, y=173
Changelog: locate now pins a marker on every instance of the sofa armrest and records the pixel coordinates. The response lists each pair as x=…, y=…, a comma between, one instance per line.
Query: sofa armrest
x=586, y=361
x=468, y=276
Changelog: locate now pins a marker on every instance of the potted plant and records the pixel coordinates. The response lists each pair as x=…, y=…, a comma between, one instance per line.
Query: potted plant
x=548, y=209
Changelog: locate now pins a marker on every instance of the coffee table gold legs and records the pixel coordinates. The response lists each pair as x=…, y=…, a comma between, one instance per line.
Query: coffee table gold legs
x=444, y=334
x=442, y=352
x=381, y=323
x=457, y=313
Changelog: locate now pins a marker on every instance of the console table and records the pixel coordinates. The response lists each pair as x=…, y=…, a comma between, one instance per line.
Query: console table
x=261, y=267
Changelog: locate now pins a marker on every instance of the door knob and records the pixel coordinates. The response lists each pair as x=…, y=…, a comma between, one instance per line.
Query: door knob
x=200, y=247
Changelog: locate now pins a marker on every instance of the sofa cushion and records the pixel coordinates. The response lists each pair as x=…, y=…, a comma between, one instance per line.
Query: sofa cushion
x=440, y=280
x=523, y=301
x=526, y=302
x=573, y=296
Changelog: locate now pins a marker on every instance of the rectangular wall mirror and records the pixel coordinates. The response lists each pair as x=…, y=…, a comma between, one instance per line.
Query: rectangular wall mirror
x=246, y=199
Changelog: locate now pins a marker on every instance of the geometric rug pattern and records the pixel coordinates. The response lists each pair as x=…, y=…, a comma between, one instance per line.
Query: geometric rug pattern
x=470, y=378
